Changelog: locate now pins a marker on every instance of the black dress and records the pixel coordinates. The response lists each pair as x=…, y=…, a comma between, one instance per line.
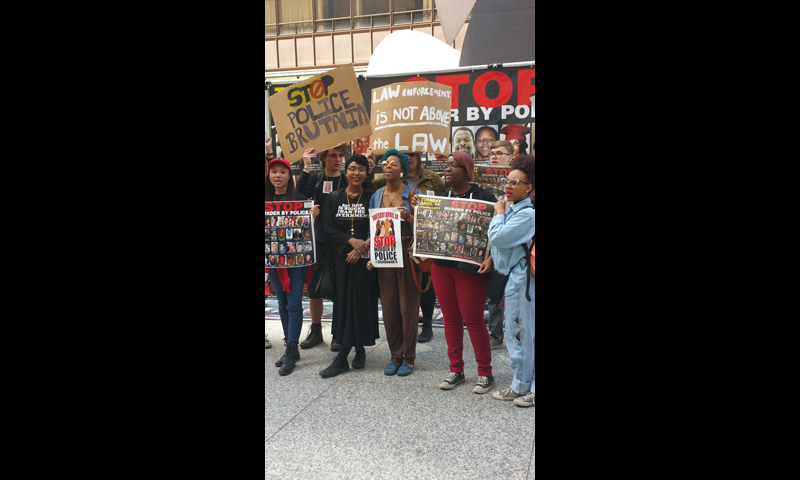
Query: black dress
x=355, y=309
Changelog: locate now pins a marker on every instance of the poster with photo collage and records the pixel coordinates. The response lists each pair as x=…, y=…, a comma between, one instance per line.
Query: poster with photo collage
x=288, y=234
x=453, y=229
x=488, y=178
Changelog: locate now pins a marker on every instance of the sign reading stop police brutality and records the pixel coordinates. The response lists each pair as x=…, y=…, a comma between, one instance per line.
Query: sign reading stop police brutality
x=320, y=112
x=411, y=117
x=452, y=229
x=384, y=226
x=288, y=234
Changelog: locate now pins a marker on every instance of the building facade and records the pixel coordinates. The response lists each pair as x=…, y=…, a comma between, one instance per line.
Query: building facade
x=320, y=34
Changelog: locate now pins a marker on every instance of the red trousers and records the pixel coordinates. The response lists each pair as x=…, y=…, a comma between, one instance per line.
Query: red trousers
x=462, y=297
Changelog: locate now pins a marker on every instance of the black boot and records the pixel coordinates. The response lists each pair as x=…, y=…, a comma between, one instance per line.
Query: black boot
x=338, y=367
x=314, y=336
x=360, y=358
x=427, y=332
x=280, y=360
x=288, y=362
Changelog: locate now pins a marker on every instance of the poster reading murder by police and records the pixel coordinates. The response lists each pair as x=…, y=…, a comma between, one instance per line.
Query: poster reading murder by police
x=488, y=178
x=288, y=234
x=452, y=229
x=384, y=227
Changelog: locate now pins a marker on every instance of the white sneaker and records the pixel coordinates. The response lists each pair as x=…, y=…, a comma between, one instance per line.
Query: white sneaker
x=528, y=400
x=506, y=395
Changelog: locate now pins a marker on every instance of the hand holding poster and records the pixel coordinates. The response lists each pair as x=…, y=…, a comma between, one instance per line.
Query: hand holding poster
x=384, y=225
x=320, y=112
x=488, y=178
x=288, y=234
x=452, y=229
x=411, y=117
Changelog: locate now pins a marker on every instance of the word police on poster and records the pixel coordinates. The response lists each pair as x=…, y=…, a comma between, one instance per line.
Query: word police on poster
x=320, y=112
x=488, y=178
x=452, y=229
x=288, y=234
x=384, y=224
x=411, y=117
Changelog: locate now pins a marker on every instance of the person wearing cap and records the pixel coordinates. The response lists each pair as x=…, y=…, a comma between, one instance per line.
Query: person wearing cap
x=516, y=135
x=461, y=288
x=399, y=294
x=355, y=308
x=287, y=282
x=484, y=138
x=319, y=187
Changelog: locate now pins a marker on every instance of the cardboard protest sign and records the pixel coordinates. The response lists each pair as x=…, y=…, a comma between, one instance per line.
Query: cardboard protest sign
x=288, y=234
x=320, y=112
x=384, y=226
x=488, y=178
x=411, y=117
x=452, y=229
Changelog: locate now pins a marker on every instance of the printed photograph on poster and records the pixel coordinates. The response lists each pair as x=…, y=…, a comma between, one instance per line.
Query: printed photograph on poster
x=520, y=136
x=476, y=141
x=384, y=225
x=288, y=234
x=452, y=229
x=360, y=145
x=488, y=178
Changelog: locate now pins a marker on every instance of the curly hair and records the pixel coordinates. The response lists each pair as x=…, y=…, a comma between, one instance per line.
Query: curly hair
x=527, y=165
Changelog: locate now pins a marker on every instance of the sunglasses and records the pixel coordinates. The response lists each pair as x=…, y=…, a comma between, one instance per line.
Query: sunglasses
x=513, y=183
x=390, y=163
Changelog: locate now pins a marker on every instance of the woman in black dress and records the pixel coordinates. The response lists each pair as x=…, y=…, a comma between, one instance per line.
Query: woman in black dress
x=355, y=310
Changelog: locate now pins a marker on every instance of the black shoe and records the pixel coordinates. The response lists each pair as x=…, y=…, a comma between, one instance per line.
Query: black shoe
x=427, y=332
x=283, y=357
x=335, y=346
x=314, y=336
x=288, y=362
x=359, y=361
x=337, y=368
x=451, y=381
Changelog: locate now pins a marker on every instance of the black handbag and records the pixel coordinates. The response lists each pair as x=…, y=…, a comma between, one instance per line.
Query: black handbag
x=496, y=288
x=321, y=282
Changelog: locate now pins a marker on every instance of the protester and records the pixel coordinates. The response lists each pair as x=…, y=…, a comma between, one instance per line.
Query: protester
x=398, y=292
x=287, y=282
x=510, y=229
x=319, y=187
x=500, y=155
x=355, y=308
x=461, y=293
x=484, y=138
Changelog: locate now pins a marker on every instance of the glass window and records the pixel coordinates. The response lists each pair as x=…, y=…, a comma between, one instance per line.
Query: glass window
x=295, y=16
x=363, y=9
x=406, y=5
x=332, y=9
x=269, y=18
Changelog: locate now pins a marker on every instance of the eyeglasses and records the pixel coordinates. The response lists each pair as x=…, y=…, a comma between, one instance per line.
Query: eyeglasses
x=452, y=165
x=513, y=183
x=390, y=163
x=357, y=169
x=498, y=154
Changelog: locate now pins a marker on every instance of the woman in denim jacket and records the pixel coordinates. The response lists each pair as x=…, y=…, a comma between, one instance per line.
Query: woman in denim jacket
x=509, y=230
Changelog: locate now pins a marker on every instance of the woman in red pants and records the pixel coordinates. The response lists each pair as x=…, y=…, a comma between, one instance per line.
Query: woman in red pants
x=461, y=294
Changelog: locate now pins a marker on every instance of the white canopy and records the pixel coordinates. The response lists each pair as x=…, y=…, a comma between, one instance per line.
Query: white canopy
x=407, y=51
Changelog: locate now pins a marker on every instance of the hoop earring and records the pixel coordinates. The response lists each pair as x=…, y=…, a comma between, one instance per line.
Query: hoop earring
x=402, y=174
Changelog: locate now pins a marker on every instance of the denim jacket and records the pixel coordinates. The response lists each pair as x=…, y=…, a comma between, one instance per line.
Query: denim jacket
x=377, y=199
x=507, y=233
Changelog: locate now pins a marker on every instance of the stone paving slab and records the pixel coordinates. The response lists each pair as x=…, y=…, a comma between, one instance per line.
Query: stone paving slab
x=365, y=425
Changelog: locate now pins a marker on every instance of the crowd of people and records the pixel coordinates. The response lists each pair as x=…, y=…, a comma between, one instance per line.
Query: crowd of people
x=341, y=222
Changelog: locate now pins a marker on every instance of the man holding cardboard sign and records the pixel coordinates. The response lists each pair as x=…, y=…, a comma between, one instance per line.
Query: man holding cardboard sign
x=321, y=111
